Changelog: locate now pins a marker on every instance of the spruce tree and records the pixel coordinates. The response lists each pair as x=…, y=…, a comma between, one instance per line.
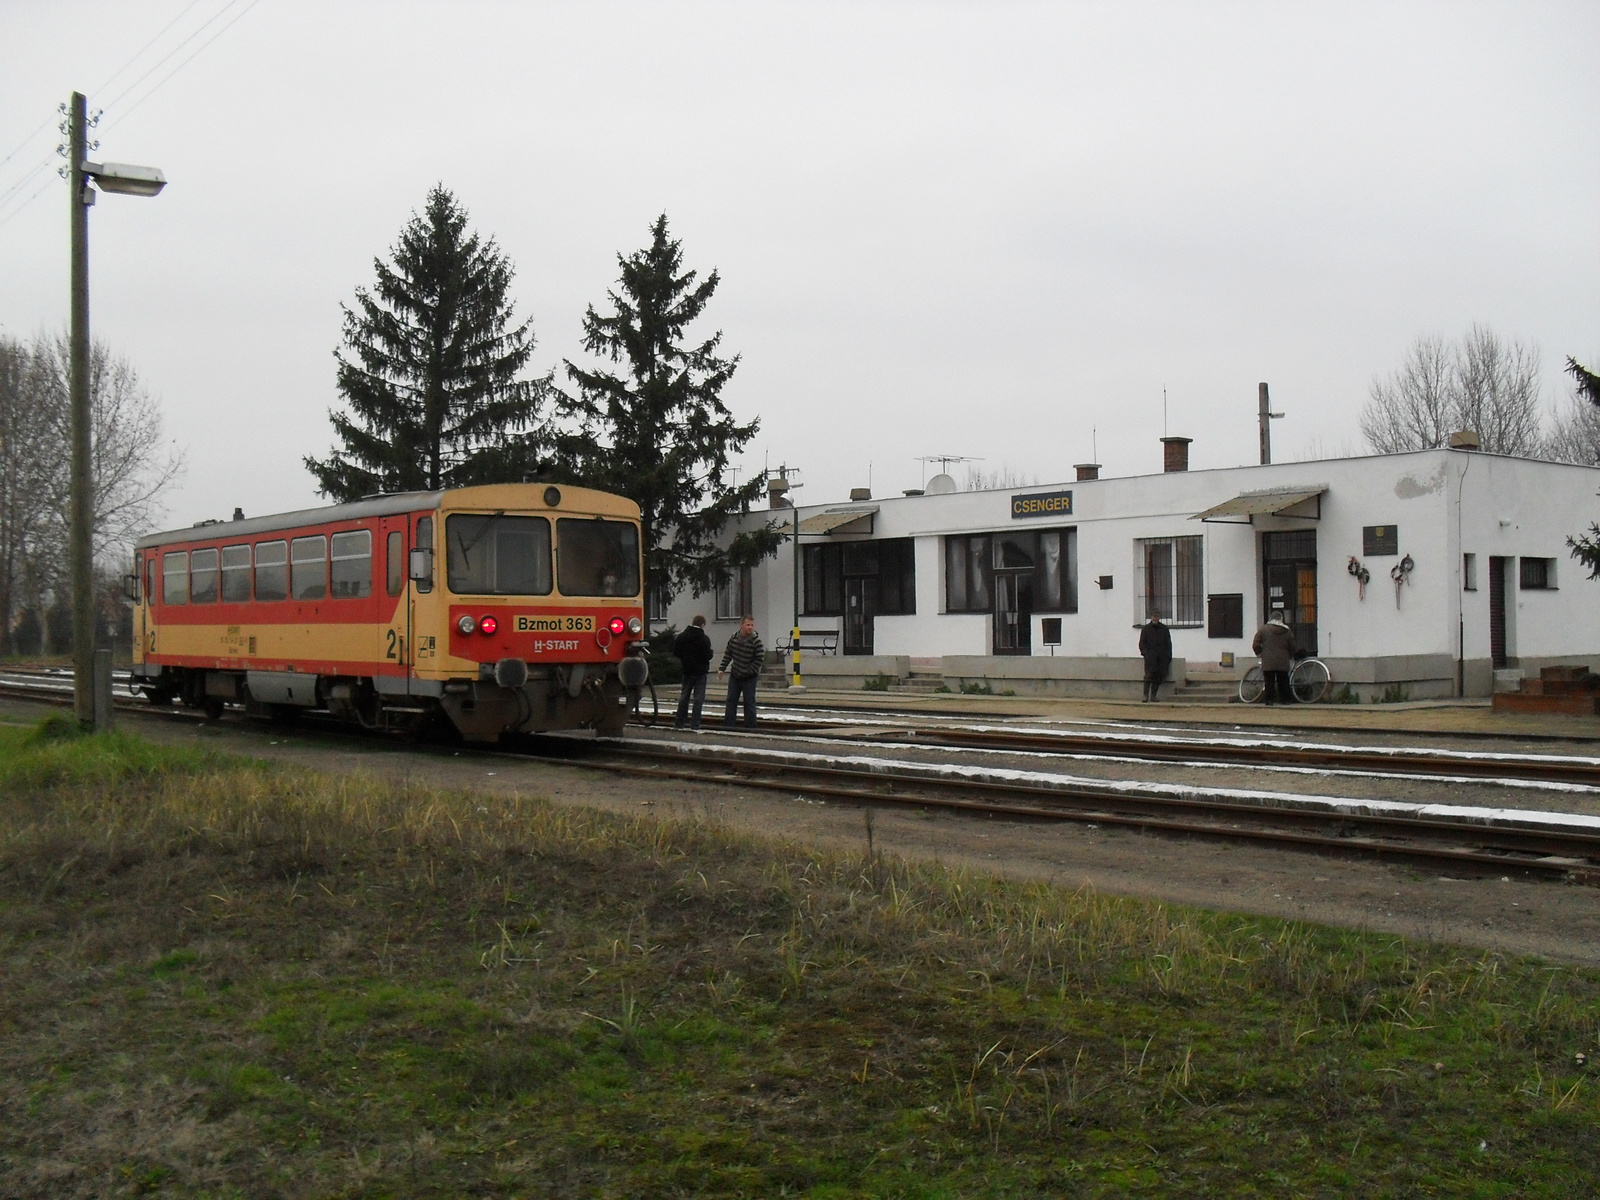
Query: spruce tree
x=432, y=369
x=657, y=431
x=1586, y=549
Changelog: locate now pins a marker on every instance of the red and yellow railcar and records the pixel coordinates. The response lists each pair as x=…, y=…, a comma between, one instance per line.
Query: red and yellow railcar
x=504, y=608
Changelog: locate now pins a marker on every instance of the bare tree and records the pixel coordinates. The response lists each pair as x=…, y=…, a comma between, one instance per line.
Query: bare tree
x=1480, y=383
x=1412, y=409
x=1003, y=476
x=132, y=465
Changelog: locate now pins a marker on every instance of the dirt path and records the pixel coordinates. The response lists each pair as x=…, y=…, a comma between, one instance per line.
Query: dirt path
x=1554, y=920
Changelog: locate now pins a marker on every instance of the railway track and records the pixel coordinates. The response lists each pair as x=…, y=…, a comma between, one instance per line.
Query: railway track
x=1529, y=844
x=1225, y=749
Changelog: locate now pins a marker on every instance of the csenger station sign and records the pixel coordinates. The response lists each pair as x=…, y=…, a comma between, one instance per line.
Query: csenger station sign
x=1042, y=504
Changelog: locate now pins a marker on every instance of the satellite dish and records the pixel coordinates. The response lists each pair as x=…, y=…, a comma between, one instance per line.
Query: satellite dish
x=940, y=485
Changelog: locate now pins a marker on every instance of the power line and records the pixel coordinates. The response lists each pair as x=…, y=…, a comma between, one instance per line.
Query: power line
x=135, y=56
x=167, y=78
x=45, y=124
x=199, y=50
x=157, y=65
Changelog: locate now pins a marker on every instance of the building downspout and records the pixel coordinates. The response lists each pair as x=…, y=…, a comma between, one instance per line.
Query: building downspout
x=1461, y=604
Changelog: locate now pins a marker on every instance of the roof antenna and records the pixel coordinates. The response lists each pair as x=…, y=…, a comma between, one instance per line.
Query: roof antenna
x=1163, y=412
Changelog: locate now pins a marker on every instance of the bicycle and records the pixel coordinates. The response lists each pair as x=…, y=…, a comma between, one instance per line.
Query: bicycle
x=1309, y=681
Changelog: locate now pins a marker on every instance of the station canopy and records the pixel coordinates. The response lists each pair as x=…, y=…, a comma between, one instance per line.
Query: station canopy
x=1275, y=502
x=840, y=520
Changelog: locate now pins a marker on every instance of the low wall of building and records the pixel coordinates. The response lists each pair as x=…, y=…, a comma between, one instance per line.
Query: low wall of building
x=1099, y=678
x=850, y=671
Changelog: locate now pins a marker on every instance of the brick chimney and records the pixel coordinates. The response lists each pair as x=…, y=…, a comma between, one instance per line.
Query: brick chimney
x=1175, y=453
x=1087, y=471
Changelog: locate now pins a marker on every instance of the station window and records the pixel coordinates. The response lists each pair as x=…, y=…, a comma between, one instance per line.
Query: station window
x=735, y=598
x=1170, y=580
x=394, y=562
x=272, y=570
x=235, y=574
x=1537, y=574
x=308, y=568
x=203, y=577
x=658, y=598
x=1469, y=572
x=352, y=564
x=175, y=577
x=1048, y=556
x=968, y=578
x=891, y=562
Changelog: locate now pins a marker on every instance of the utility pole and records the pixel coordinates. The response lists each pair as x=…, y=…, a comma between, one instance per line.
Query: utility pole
x=1266, y=418
x=83, y=177
x=82, y=511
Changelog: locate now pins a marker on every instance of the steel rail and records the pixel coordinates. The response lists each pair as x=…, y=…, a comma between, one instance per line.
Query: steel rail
x=1572, y=856
x=1532, y=768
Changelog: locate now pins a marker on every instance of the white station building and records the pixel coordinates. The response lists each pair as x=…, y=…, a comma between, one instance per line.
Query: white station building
x=1412, y=576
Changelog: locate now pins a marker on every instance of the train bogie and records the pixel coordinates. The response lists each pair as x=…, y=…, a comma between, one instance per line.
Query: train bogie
x=499, y=609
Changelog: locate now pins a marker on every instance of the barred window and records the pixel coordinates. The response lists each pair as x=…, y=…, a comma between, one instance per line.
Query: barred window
x=1537, y=574
x=1169, y=578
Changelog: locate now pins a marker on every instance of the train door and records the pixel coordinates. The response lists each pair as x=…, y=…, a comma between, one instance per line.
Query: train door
x=394, y=635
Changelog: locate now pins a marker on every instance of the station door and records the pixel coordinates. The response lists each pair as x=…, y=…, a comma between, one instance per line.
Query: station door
x=1289, y=575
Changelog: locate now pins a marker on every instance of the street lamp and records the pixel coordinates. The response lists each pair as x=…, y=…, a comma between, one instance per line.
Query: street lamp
x=84, y=177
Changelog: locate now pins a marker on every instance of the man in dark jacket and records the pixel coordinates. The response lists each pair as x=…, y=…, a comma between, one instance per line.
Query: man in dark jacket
x=693, y=649
x=1274, y=642
x=742, y=662
x=1155, y=647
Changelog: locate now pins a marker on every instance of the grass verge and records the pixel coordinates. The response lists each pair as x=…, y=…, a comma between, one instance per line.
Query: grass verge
x=224, y=979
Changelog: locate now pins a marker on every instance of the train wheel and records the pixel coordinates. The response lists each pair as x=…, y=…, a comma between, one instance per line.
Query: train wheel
x=212, y=706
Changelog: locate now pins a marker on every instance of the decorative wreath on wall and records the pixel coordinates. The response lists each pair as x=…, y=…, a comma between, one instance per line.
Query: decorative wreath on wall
x=1362, y=576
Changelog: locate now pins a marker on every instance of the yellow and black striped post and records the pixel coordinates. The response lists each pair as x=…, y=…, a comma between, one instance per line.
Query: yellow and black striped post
x=794, y=647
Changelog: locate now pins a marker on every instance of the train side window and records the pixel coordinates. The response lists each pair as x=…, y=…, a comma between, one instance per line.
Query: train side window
x=235, y=574
x=150, y=580
x=425, y=542
x=352, y=564
x=175, y=577
x=308, y=568
x=203, y=577
x=394, y=559
x=272, y=570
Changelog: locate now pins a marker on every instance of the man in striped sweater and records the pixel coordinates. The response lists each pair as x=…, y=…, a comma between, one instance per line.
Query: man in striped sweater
x=741, y=662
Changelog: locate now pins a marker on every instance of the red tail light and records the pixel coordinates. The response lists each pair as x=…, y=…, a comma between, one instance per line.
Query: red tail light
x=487, y=626
x=618, y=625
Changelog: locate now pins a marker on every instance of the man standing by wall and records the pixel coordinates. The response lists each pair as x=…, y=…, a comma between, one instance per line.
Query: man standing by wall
x=741, y=661
x=693, y=649
x=1155, y=647
x=1274, y=642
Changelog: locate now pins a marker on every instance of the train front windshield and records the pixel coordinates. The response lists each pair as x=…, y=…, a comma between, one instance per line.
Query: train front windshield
x=497, y=555
x=597, y=557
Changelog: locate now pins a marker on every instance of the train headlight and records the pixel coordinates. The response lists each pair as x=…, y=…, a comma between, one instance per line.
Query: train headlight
x=487, y=625
x=635, y=626
x=617, y=626
x=465, y=623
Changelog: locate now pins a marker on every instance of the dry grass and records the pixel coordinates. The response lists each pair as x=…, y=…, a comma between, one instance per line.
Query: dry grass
x=222, y=979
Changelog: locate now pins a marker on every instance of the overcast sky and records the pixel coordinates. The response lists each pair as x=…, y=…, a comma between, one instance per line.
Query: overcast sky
x=995, y=230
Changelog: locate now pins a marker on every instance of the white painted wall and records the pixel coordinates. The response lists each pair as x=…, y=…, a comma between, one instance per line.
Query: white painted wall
x=1507, y=506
